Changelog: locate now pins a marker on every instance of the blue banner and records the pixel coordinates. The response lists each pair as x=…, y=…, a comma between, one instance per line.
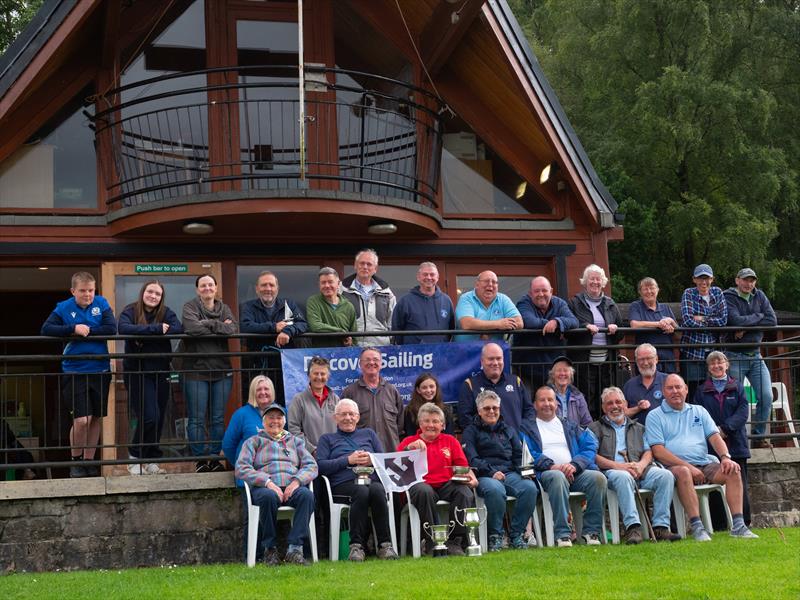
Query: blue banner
x=451, y=364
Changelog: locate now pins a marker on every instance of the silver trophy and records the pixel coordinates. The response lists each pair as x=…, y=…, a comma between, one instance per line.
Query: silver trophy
x=460, y=473
x=363, y=474
x=439, y=535
x=472, y=519
x=527, y=471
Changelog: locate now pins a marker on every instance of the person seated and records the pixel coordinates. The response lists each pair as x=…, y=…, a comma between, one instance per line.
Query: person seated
x=571, y=402
x=336, y=454
x=311, y=411
x=278, y=468
x=248, y=420
x=426, y=389
x=495, y=452
x=724, y=399
x=563, y=456
x=644, y=391
x=679, y=435
x=626, y=460
x=443, y=451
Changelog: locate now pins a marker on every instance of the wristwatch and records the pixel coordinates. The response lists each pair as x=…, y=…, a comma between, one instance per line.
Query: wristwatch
x=726, y=455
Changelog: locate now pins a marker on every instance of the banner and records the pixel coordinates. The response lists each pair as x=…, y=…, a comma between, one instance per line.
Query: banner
x=398, y=471
x=451, y=364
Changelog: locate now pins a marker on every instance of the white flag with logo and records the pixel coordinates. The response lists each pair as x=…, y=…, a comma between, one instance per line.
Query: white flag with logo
x=398, y=471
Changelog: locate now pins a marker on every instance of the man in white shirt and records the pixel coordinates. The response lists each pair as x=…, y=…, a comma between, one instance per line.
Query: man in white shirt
x=564, y=455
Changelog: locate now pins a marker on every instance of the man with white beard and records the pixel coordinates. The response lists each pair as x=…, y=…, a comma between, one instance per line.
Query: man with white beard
x=644, y=392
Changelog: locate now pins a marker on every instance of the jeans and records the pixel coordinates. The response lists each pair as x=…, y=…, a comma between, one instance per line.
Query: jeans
x=591, y=483
x=148, y=394
x=657, y=479
x=302, y=501
x=494, y=494
x=202, y=397
x=756, y=371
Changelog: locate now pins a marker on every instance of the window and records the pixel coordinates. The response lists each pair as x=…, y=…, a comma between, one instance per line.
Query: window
x=297, y=282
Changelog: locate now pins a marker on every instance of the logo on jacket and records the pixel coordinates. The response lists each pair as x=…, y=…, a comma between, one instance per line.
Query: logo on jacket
x=657, y=395
x=509, y=388
x=95, y=311
x=446, y=452
x=444, y=312
x=73, y=314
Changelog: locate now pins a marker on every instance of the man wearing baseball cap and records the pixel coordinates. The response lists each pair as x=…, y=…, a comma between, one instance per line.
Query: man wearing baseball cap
x=702, y=306
x=749, y=307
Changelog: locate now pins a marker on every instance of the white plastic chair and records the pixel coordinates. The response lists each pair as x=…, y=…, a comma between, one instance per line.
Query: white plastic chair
x=410, y=516
x=575, y=501
x=284, y=513
x=612, y=501
x=337, y=511
x=483, y=532
x=780, y=402
x=703, y=492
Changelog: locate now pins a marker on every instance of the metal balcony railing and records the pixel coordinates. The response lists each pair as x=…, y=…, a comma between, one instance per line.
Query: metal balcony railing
x=31, y=402
x=189, y=134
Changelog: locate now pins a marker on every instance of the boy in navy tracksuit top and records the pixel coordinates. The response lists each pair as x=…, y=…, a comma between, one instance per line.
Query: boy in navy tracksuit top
x=84, y=387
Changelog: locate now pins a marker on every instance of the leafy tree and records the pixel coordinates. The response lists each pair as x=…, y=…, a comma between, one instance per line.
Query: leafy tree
x=14, y=16
x=688, y=110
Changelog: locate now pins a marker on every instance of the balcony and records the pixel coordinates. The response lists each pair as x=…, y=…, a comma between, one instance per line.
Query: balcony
x=233, y=134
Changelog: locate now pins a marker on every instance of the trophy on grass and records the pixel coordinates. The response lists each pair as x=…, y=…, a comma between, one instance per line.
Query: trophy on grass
x=472, y=519
x=363, y=474
x=439, y=534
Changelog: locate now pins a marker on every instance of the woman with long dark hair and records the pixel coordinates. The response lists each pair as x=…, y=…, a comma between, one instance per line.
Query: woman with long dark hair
x=426, y=389
x=147, y=379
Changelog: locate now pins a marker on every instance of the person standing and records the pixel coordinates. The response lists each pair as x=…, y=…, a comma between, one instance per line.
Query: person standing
x=330, y=312
x=484, y=309
x=424, y=307
x=147, y=379
x=372, y=298
x=85, y=383
x=656, y=319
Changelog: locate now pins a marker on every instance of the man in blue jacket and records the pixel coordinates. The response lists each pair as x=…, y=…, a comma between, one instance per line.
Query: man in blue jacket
x=551, y=316
x=564, y=459
x=750, y=307
x=84, y=386
x=425, y=307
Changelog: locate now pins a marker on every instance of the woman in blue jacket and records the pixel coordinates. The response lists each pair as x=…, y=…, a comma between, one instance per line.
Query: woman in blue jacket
x=247, y=421
x=147, y=379
x=724, y=399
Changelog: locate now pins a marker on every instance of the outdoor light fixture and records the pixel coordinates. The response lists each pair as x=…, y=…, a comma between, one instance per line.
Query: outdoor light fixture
x=381, y=228
x=521, y=189
x=549, y=170
x=198, y=227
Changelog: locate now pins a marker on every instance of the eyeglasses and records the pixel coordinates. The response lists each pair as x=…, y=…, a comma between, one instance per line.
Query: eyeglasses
x=491, y=408
x=347, y=414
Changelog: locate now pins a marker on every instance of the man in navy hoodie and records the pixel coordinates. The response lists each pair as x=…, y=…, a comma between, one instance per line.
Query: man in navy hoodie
x=750, y=307
x=425, y=307
x=84, y=386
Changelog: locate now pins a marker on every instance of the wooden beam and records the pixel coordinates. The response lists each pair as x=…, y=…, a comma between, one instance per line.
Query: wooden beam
x=444, y=31
x=109, y=54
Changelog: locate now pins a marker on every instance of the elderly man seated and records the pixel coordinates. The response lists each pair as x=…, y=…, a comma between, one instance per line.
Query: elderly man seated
x=277, y=467
x=625, y=458
x=679, y=435
x=443, y=452
x=563, y=456
x=495, y=451
x=337, y=453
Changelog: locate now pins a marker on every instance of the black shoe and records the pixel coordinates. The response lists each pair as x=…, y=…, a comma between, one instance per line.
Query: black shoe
x=202, y=467
x=633, y=535
x=271, y=558
x=295, y=557
x=78, y=471
x=216, y=466
x=663, y=534
x=93, y=471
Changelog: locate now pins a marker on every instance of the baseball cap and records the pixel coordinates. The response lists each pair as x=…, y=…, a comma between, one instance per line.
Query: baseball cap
x=703, y=270
x=746, y=272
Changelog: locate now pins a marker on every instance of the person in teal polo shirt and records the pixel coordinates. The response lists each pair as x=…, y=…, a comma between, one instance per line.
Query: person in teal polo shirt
x=486, y=309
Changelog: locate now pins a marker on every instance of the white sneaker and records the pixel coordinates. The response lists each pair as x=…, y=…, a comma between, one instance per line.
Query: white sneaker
x=153, y=469
x=135, y=469
x=591, y=539
x=743, y=532
x=564, y=542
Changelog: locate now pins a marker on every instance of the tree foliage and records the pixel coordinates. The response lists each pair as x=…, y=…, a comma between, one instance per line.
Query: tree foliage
x=688, y=110
x=14, y=16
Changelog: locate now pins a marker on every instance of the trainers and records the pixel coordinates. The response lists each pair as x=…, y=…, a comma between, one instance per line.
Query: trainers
x=271, y=558
x=701, y=535
x=743, y=532
x=518, y=542
x=633, y=535
x=386, y=551
x=356, y=553
x=564, y=542
x=454, y=548
x=78, y=471
x=495, y=543
x=663, y=534
x=135, y=469
x=153, y=469
x=202, y=467
x=592, y=539
x=295, y=557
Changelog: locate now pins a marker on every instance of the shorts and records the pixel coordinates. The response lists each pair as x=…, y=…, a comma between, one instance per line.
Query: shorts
x=85, y=394
x=709, y=470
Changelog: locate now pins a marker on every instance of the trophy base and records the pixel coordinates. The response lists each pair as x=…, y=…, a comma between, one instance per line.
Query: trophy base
x=363, y=481
x=473, y=551
x=460, y=478
x=439, y=553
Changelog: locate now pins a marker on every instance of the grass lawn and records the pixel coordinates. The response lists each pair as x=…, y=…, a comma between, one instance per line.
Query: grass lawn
x=767, y=568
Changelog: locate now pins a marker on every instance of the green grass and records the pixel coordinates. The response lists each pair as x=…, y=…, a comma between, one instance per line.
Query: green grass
x=725, y=568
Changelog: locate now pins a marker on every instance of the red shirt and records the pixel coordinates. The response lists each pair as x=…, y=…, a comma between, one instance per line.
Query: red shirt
x=443, y=452
x=321, y=399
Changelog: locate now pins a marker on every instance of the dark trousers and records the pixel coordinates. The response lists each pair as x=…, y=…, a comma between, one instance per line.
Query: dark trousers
x=302, y=501
x=148, y=394
x=424, y=499
x=365, y=498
